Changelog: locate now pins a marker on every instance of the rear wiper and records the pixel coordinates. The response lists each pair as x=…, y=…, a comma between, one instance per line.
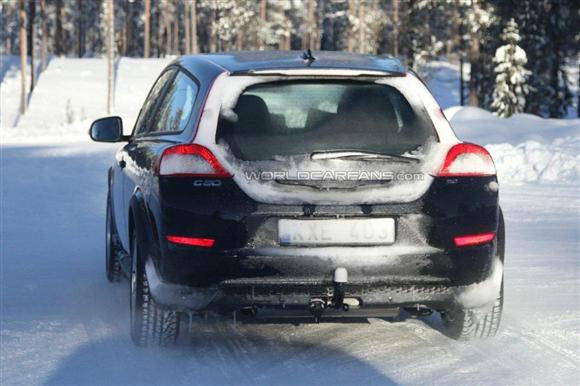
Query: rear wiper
x=359, y=155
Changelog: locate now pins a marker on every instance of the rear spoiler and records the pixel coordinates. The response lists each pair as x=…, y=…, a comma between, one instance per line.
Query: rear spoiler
x=309, y=71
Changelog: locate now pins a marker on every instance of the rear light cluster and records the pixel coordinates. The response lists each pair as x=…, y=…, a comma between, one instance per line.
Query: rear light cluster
x=467, y=160
x=191, y=160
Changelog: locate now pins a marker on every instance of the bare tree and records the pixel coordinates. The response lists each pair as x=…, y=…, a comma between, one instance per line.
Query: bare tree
x=59, y=34
x=309, y=39
x=147, y=29
x=187, y=24
x=167, y=27
x=351, y=11
x=362, y=26
x=23, y=54
x=239, y=32
x=32, y=34
x=175, y=34
x=158, y=27
x=194, y=45
x=287, y=38
x=110, y=53
x=80, y=26
x=475, y=60
x=263, y=15
x=43, y=37
x=128, y=44
x=395, y=28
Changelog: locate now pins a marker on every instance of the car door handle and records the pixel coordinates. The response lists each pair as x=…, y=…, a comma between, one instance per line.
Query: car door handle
x=122, y=163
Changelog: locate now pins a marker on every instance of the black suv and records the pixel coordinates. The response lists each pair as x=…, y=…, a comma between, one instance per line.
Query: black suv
x=324, y=184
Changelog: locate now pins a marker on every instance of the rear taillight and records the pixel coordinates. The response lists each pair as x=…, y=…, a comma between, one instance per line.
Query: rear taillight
x=467, y=160
x=191, y=241
x=190, y=160
x=469, y=240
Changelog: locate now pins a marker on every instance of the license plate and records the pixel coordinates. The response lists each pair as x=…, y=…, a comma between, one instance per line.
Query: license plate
x=336, y=232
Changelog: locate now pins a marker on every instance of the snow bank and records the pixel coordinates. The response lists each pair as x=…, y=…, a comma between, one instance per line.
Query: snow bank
x=476, y=125
x=525, y=148
x=10, y=89
x=71, y=93
x=532, y=161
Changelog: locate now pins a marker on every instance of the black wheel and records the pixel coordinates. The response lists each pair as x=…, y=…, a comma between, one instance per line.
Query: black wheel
x=112, y=260
x=464, y=324
x=150, y=325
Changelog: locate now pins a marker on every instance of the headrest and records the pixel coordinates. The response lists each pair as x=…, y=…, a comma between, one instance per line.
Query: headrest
x=251, y=107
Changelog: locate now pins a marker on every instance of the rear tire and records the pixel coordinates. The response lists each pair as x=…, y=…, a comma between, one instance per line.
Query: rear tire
x=112, y=260
x=150, y=325
x=466, y=324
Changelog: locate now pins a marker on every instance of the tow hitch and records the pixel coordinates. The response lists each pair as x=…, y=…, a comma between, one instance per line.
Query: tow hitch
x=318, y=305
x=316, y=308
x=340, y=277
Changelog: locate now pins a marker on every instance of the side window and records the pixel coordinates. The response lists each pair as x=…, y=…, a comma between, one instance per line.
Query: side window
x=151, y=101
x=177, y=106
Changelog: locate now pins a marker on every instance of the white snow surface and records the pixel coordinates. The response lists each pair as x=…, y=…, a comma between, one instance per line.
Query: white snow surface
x=525, y=148
x=481, y=126
x=62, y=323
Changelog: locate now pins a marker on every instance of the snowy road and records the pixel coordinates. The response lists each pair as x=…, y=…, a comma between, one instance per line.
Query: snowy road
x=62, y=323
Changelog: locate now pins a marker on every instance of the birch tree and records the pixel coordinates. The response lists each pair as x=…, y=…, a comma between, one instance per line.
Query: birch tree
x=32, y=33
x=23, y=54
x=193, y=24
x=147, y=29
x=110, y=36
x=43, y=36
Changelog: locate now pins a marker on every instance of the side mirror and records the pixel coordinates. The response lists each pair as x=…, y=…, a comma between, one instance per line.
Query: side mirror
x=108, y=129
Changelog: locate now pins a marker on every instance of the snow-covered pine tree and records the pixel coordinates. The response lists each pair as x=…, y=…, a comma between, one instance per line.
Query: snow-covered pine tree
x=509, y=96
x=277, y=30
x=230, y=22
x=367, y=20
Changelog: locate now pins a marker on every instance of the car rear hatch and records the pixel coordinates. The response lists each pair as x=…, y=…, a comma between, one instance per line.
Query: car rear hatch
x=327, y=142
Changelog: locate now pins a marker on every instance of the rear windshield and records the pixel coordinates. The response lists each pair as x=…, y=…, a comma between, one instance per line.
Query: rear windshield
x=280, y=119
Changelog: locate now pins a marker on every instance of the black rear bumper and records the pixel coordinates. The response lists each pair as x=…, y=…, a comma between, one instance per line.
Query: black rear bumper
x=268, y=280
x=297, y=293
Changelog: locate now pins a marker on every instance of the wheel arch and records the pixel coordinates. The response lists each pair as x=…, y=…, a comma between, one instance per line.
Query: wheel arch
x=138, y=220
